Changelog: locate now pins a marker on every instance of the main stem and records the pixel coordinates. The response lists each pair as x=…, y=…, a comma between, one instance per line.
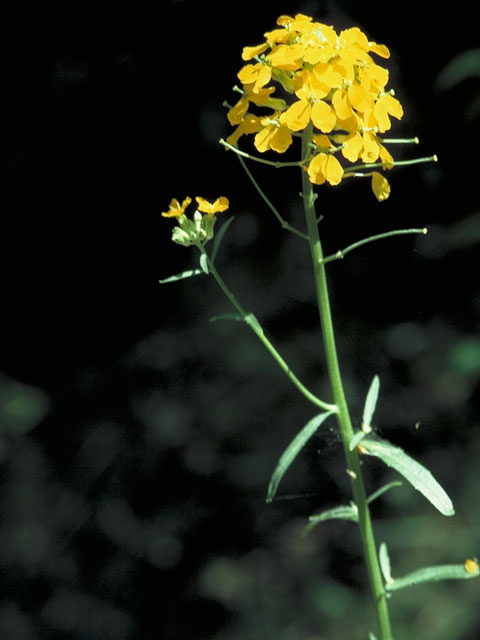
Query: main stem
x=345, y=426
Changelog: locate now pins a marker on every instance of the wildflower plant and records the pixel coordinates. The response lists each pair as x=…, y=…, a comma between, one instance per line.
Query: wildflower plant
x=305, y=81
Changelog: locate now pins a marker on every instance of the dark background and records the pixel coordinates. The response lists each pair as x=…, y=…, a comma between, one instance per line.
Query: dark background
x=136, y=438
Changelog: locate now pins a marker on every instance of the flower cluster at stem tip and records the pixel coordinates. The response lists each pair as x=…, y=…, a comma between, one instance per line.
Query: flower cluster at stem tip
x=198, y=230
x=330, y=80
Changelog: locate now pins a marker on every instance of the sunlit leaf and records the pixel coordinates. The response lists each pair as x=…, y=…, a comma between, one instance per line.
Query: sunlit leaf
x=418, y=476
x=432, y=574
x=182, y=276
x=372, y=636
x=293, y=450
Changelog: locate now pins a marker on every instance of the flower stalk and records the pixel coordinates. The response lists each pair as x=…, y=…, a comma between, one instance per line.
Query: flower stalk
x=343, y=416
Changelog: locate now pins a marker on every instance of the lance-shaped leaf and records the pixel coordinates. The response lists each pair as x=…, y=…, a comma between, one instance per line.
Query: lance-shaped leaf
x=182, y=276
x=370, y=404
x=432, y=574
x=418, y=476
x=217, y=241
x=293, y=450
x=343, y=512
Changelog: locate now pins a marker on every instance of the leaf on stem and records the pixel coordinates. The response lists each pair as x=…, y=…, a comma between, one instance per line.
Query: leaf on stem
x=418, y=476
x=182, y=276
x=432, y=574
x=343, y=512
x=219, y=237
x=204, y=263
x=370, y=404
x=356, y=439
x=390, y=485
x=384, y=559
x=228, y=316
x=293, y=450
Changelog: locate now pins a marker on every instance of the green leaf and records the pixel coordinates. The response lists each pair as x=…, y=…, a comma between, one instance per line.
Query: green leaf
x=360, y=435
x=371, y=636
x=418, y=476
x=343, y=512
x=228, y=316
x=370, y=404
x=384, y=559
x=219, y=237
x=390, y=485
x=432, y=574
x=182, y=276
x=293, y=450
x=204, y=263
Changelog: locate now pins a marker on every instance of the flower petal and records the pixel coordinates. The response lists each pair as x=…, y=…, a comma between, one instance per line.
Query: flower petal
x=323, y=116
x=380, y=186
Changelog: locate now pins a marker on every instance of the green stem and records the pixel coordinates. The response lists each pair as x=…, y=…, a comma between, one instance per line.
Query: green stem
x=379, y=236
x=345, y=426
x=257, y=329
x=284, y=223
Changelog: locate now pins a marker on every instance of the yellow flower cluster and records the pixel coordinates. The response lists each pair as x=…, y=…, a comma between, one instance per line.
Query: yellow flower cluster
x=330, y=80
x=199, y=230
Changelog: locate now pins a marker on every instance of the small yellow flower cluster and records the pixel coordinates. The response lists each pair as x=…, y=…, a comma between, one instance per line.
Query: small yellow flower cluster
x=199, y=230
x=335, y=84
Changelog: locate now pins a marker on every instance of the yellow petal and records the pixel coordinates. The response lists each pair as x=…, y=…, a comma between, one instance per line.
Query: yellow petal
x=380, y=49
x=250, y=52
x=297, y=116
x=316, y=168
x=323, y=116
x=380, y=186
x=220, y=204
x=352, y=146
x=359, y=97
x=236, y=113
x=333, y=170
x=371, y=148
x=341, y=104
x=281, y=139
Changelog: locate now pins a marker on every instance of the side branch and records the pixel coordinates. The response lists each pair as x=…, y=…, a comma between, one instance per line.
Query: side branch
x=379, y=236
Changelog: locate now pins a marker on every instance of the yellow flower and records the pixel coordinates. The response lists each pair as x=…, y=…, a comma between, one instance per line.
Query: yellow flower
x=325, y=167
x=175, y=209
x=220, y=204
x=273, y=135
x=335, y=84
x=471, y=565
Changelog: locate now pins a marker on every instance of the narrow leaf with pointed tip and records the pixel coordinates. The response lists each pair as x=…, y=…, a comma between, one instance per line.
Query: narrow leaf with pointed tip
x=418, y=476
x=293, y=450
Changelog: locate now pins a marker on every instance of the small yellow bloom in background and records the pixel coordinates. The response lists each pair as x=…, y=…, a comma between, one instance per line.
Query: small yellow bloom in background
x=471, y=565
x=175, y=209
x=220, y=204
x=380, y=186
